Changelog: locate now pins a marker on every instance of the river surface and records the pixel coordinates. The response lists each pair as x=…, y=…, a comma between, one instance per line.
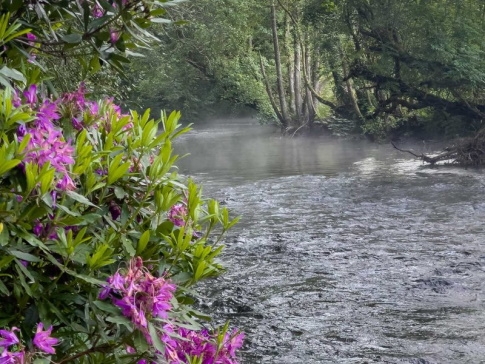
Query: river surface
x=347, y=251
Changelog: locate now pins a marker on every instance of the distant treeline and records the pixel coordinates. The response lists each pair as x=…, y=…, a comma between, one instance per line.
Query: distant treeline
x=390, y=67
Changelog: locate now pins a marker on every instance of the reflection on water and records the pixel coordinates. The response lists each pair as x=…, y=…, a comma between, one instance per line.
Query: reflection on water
x=250, y=152
x=347, y=252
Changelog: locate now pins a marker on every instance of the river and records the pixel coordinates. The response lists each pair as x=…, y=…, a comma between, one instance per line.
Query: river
x=347, y=251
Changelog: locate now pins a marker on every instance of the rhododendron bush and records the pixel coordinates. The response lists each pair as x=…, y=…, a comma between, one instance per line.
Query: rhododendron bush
x=100, y=237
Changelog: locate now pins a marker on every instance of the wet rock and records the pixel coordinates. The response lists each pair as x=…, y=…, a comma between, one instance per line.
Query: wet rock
x=243, y=308
x=419, y=361
x=437, y=284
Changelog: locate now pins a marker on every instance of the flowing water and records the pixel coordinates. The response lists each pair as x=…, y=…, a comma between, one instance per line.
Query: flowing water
x=347, y=251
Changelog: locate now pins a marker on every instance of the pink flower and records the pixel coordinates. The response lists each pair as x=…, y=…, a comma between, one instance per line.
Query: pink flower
x=114, y=35
x=16, y=101
x=66, y=183
x=180, y=342
x=31, y=94
x=117, y=281
x=43, y=340
x=139, y=294
x=12, y=358
x=38, y=228
x=47, y=143
x=177, y=214
x=32, y=58
x=8, y=338
x=47, y=113
x=31, y=36
x=77, y=124
x=93, y=107
x=97, y=11
x=234, y=342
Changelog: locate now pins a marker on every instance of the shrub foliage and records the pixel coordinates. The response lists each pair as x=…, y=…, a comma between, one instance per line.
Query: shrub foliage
x=100, y=237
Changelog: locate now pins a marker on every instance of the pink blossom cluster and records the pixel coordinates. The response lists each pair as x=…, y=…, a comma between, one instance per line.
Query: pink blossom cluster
x=177, y=214
x=141, y=296
x=47, y=143
x=86, y=113
x=181, y=342
x=8, y=339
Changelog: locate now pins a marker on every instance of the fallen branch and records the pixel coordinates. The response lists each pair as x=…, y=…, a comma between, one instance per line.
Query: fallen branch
x=465, y=152
x=423, y=157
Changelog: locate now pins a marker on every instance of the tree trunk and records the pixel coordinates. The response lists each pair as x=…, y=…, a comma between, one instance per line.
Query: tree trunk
x=310, y=106
x=279, y=73
x=297, y=82
x=315, y=75
x=270, y=93
x=290, y=64
x=350, y=87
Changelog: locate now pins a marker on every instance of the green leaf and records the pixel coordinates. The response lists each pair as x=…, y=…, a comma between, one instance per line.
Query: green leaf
x=200, y=270
x=98, y=22
x=118, y=58
x=101, y=257
x=8, y=165
x=12, y=74
x=128, y=246
x=120, y=320
x=4, y=289
x=157, y=12
x=80, y=198
x=15, y=5
x=107, y=307
x=21, y=278
x=46, y=181
x=86, y=13
x=87, y=279
x=72, y=38
x=90, y=218
x=24, y=256
x=134, y=54
x=4, y=235
x=157, y=343
x=120, y=193
x=181, y=278
x=142, y=243
x=95, y=64
x=31, y=239
x=116, y=174
x=140, y=342
x=79, y=328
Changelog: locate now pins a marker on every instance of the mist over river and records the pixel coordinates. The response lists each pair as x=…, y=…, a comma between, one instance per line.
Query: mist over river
x=346, y=252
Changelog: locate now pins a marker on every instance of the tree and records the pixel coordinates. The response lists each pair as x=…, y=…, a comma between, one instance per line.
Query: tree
x=260, y=60
x=303, y=68
x=416, y=56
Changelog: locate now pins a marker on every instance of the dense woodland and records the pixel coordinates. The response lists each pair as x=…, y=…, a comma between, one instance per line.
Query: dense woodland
x=383, y=68
x=391, y=67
